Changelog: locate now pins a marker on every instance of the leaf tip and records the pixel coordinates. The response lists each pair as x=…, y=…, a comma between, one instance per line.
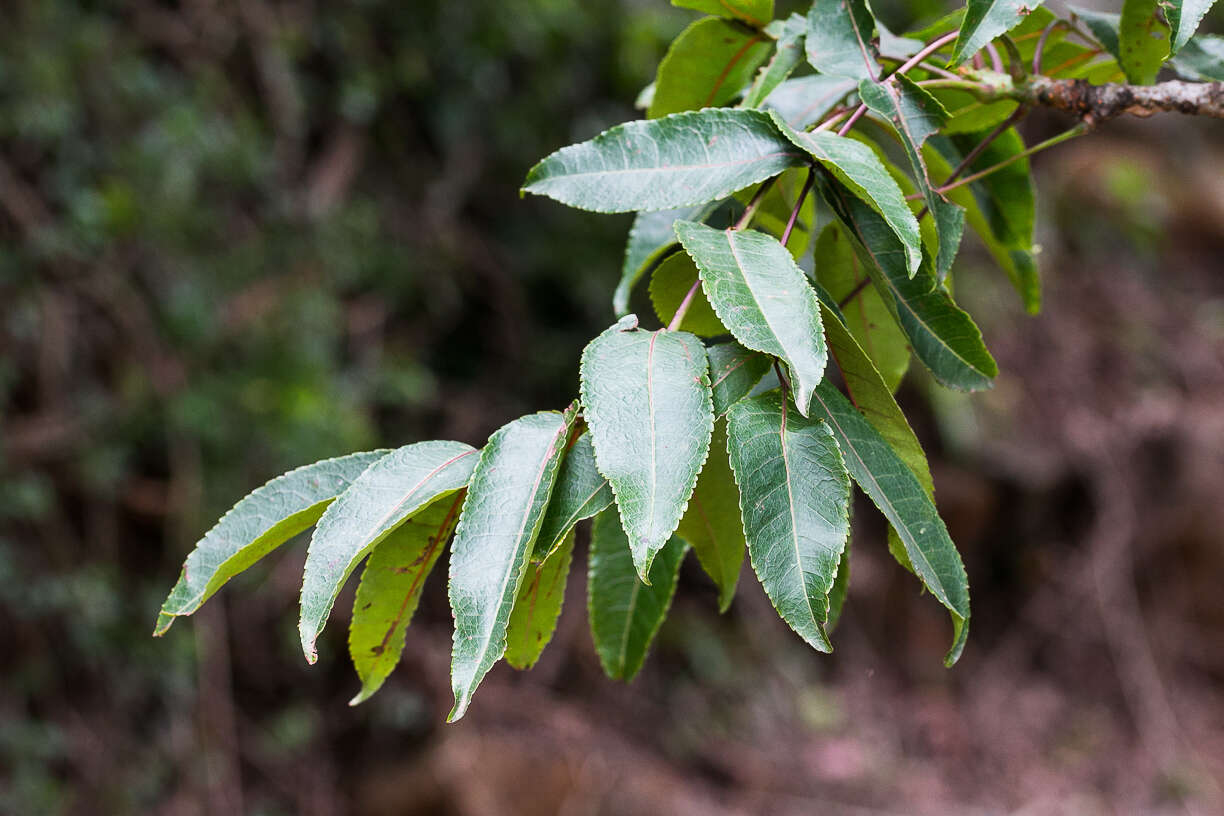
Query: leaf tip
x=460, y=708
x=164, y=622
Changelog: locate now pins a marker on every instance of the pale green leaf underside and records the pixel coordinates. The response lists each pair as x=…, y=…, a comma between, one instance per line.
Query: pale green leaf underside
x=794, y=495
x=762, y=297
x=580, y=492
x=386, y=494
x=985, y=20
x=625, y=613
x=502, y=513
x=707, y=65
x=840, y=39
x=390, y=590
x=802, y=101
x=734, y=370
x=538, y=605
x=1184, y=17
x=266, y=518
x=756, y=12
x=646, y=398
x=712, y=522
x=658, y=164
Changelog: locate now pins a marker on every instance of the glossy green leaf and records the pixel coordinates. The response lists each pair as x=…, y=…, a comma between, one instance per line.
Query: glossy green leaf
x=501, y=519
x=382, y=498
x=1184, y=17
x=916, y=115
x=1202, y=59
x=580, y=492
x=762, y=297
x=266, y=518
x=754, y=12
x=390, y=590
x=712, y=522
x=794, y=495
x=856, y=166
x=658, y=164
x=986, y=19
x=788, y=53
x=538, y=605
x=1143, y=40
x=626, y=613
x=841, y=39
x=670, y=284
x=942, y=335
x=707, y=66
x=650, y=239
x=893, y=488
x=646, y=398
x=803, y=101
x=734, y=370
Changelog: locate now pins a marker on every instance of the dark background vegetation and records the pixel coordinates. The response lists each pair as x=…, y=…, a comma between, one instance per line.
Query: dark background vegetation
x=236, y=237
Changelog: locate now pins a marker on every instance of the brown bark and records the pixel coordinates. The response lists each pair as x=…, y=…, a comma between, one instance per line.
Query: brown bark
x=1096, y=103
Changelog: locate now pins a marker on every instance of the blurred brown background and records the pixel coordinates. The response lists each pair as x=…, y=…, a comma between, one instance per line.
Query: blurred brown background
x=238, y=237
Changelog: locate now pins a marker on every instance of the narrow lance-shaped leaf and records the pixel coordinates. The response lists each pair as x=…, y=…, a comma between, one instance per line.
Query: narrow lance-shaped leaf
x=1143, y=40
x=942, y=335
x=501, y=519
x=754, y=12
x=538, y=605
x=649, y=239
x=625, y=613
x=712, y=523
x=1184, y=17
x=266, y=518
x=857, y=167
x=894, y=489
x=788, y=54
x=381, y=499
x=390, y=590
x=841, y=39
x=580, y=492
x=985, y=20
x=658, y=164
x=646, y=398
x=734, y=370
x=762, y=297
x=794, y=493
x=707, y=66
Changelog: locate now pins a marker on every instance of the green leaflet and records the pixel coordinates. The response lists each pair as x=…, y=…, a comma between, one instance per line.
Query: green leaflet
x=646, y=397
x=649, y=239
x=762, y=297
x=841, y=585
x=580, y=492
x=803, y=101
x=262, y=521
x=915, y=115
x=501, y=518
x=942, y=335
x=1184, y=17
x=1202, y=59
x=625, y=613
x=1143, y=40
x=380, y=499
x=538, y=605
x=985, y=20
x=390, y=590
x=669, y=284
x=734, y=370
x=892, y=486
x=707, y=66
x=842, y=274
x=658, y=164
x=755, y=12
x=841, y=39
x=788, y=55
x=857, y=167
x=794, y=494
x=712, y=522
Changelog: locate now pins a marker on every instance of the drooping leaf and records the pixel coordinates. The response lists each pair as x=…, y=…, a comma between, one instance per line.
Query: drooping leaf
x=916, y=115
x=712, y=522
x=626, y=613
x=841, y=39
x=1184, y=17
x=788, y=53
x=942, y=335
x=1143, y=40
x=650, y=238
x=856, y=166
x=580, y=492
x=734, y=370
x=646, y=398
x=985, y=20
x=894, y=489
x=707, y=66
x=670, y=284
x=1202, y=59
x=502, y=514
x=382, y=498
x=794, y=493
x=803, y=101
x=658, y=164
x=538, y=605
x=841, y=585
x=762, y=297
x=754, y=12
x=390, y=590
x=266, y=518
